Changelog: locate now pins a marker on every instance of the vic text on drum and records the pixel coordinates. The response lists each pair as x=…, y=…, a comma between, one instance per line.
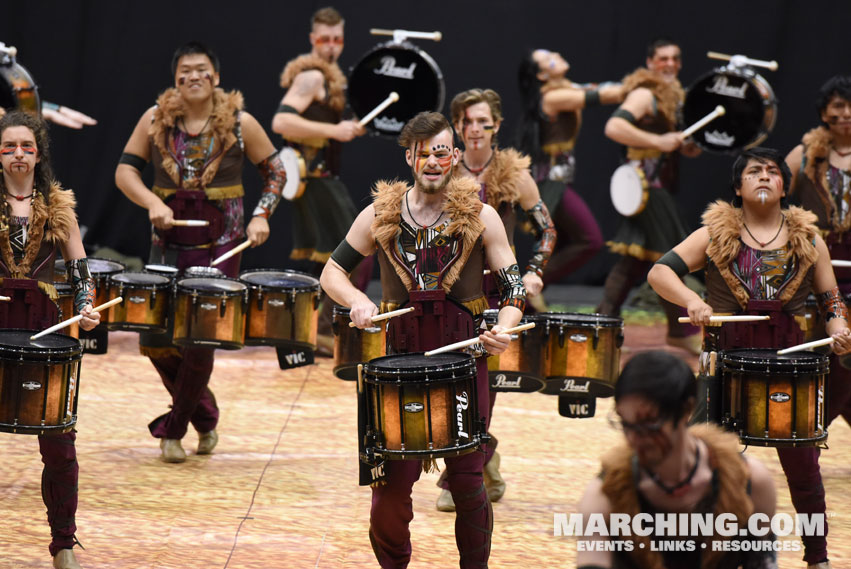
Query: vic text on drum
x=38, y=217
x=309, y=119
x=196, y=137
x=432, y=240
x=646, y=124
x=761, y=257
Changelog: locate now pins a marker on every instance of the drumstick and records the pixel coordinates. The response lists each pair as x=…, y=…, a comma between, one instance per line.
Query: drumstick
x=5, y=298
x=76, y=318
x=471, y=341
x=238, y=249
x=723, y=319
x=839, y=263
x=718, y=112
x=806, y=346
x=391, y=98
x=402, y=34
x=713, y=361
x=360, y=378
x=190, y=223
x=386, y=315
x=743, y=60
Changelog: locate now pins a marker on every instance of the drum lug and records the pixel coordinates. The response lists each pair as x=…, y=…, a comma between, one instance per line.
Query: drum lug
x=259, y=299
x=596, y=337
x=315, y=301
x=223, y=305
x=153, y=300
x=292, y=298
x=619, y=339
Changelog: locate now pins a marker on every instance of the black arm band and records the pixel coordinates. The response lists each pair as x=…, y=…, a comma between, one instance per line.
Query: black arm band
x=592, y=98
x=624, y=114
x=675, y=262
x=133, y=160
x=288, y=109
x=346, y=256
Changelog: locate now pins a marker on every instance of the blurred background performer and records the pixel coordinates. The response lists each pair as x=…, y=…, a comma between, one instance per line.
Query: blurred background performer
x=310, y=120
x=196, y=137
x=505, y=184
x=445, y=234
x=762, y=258
x=646, y=124
x=667, y=467
x=552, y=116
x=37, y=217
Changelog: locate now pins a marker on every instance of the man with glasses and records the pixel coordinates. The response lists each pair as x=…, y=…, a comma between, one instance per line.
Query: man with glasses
x=667, y=467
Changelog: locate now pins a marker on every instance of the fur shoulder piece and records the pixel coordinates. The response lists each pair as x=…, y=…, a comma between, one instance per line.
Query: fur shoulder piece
x=170, y=108
x=60, y=213
x=331, y=71
x=387, y=203
x=668, y=95
x=503, y=175
x=724, y=223
x=817, y=144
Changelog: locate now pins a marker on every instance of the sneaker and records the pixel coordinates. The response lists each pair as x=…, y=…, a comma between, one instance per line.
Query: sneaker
x=172, y=450
x=65, y=559
x=207, y=442
x=445, y=503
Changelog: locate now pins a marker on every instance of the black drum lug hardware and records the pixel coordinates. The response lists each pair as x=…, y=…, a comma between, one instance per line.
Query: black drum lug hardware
x=223, y=306
x=259, y=299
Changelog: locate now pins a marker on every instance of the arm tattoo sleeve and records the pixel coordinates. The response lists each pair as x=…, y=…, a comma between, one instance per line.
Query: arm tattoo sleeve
x=274, y=178
x=545, y=238
x=84, y=285
x=511, y=289
x=832, y=305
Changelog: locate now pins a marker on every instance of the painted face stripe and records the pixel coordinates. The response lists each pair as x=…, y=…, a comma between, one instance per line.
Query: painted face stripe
x=8, y=150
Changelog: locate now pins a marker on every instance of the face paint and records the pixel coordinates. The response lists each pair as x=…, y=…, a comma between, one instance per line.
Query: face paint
x=419, y=159
x=25, y=148
x=325, y=40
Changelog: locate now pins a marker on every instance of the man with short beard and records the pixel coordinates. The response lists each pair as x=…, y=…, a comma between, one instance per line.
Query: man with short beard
x=432, y=240
x=310, y=120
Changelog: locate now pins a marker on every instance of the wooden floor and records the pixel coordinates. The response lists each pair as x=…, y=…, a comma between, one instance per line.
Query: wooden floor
x=281, y=488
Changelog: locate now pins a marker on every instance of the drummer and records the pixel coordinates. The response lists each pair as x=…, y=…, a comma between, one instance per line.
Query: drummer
x=445, y=233
x=38, y=216
x=646, y=124
x=505, y=184
x=310, y=120
x=196, y=136
x=761, y=257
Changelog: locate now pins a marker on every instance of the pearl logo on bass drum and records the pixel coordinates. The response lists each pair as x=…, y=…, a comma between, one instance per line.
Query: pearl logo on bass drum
x=722, y=86
x=389, y=69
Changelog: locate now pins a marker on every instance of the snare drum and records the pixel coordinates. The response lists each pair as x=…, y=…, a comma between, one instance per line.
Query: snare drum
x=65, y=300
x=629, y=190
x=583, y=353
x=422, y=407
x=400, y=67
x=281, y=308
x=353, y=346
x=522, y=367
x=749, y=102
x=210, y=312
x=145, y=304
x=773, y=400
x=39, y=381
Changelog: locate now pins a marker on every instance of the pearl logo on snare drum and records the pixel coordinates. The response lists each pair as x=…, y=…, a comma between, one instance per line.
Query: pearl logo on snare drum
x=389, y=68
x=31, y=385
x=414, y=407
x=780, y=397
x=460, y=407
x=722, y=86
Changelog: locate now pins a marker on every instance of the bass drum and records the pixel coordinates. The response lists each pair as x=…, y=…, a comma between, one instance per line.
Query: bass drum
x=400, y=67
x=17, y=87
x=749, y=102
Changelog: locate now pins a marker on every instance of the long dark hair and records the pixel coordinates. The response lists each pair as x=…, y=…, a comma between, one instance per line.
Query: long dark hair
x=529, y=132
x=43, y=171
x=661, y=378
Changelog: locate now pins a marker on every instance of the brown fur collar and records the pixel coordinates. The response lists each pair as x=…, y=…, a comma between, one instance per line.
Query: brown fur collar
x=334, y=78
x=503, y=176
x=668, y=95
x=817, y=144
x=50, y=222
x=226, y=107
x=724, y=223
x=732, y=472
x=462, y=205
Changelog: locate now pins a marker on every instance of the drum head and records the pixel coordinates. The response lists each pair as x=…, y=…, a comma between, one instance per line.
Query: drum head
x=18, y=341
x=97, y=266
x=203, y=272
x=285, y=280
x=295, y=170
x=627, y=190
x=745, y=97
x=400, y=67
x=149, y=280
x=580, y=320
x=419, y=367
x=214, y=286
x=769, y=361
x=168, y=270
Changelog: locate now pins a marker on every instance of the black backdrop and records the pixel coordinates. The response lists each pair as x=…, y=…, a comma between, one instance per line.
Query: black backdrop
x=111, y=59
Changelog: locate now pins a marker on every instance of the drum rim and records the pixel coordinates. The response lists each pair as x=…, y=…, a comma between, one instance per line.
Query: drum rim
x=90, y=259
x=218, y=292
x=308, y=287
x=74, y=349
x=114, y=278
x=466, y=361
x=814, y=362
x=147, y=269
x=604, y=320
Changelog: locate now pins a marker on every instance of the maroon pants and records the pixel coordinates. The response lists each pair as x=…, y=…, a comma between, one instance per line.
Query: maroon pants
x=59, y=487
x=801, y=465
x=578, y=237
x=392, y=509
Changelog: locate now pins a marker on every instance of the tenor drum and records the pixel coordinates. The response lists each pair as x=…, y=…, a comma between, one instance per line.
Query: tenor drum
x=145, y=304
x=629, y=190
x=774, y=400
x=210, y=312
x=39, y=382
x=522, y=367
x=583, y=355
x=281, y=308
x=353, y=346
x=749, y=102
x=422, y=407
x=400, y=67
x=102, y=270
x=169, y=271
x=205, y=272
x=65, y=300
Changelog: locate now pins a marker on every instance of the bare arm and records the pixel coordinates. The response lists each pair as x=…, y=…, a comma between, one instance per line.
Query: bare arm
x=258, y=148
x=499, y=256
x=669, y=286
x=335, y=281
x=594, y=502
x=793, y=160
x=573, y=98
x=73, y=249
x=545, y=238
x=639, y=103
x=825, y=281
